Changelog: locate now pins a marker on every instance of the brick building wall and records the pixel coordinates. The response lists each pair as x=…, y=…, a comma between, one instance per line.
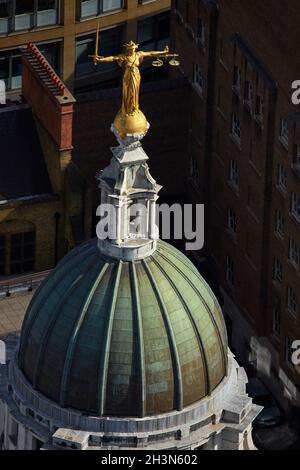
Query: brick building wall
x=250, y=170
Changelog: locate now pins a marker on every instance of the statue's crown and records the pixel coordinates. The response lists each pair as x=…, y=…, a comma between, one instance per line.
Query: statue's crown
x=131, y=45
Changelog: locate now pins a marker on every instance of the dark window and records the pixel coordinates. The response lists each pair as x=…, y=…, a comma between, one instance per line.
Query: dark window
x=16, y=71
x=96, y=7
x=154, y=32
x=11, y=64
x=24, y=6
x=22, y=253
x=17, y=15
x=108, y=74
x=4, y=69
x=154, y=35
x=6, y=9
x=52, y=54
x=46, y=5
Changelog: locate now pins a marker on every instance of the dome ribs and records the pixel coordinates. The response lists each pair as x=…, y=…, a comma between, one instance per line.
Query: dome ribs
x=206, y=307
x=35, y=307
x=140, y=338
x=197, y=334
x=74, y=336
x=178, y=392
x=104, y=358
x=133, y=339
x=179, y=256
x=48, y=331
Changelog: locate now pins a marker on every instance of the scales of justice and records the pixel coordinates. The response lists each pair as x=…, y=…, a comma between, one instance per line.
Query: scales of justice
x=130, y=122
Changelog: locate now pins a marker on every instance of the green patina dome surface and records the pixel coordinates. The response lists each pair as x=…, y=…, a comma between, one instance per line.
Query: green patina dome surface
x=114, y=338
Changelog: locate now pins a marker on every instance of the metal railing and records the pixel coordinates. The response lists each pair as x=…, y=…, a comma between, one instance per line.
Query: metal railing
x=23, y=283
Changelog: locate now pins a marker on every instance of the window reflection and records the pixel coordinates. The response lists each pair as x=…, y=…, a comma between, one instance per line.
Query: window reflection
x=17, y=15
x=96, y=7
x=110, y=44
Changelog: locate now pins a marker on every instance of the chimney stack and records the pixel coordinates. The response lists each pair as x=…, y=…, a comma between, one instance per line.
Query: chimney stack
x=51, y=101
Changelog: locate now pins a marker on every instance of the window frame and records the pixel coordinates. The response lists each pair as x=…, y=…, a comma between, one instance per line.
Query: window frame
x=200, y=33
x=248, y=94
x=236, y=128
x=294, y=253
x=284, y=132
x=292, y=302
x=99, y=9
x=279, y=223
x=295, y=206
x=278, y=270
x=33, y=18
x=230, y=272
x=234, y=174
x=232, y=221
x=198, y=78
x=237, y=80
x=282, y=176
x=11, y=54
x=276, y=318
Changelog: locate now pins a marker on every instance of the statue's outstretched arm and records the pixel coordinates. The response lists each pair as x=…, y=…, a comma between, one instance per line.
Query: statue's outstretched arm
x=164, y=53
x=99, y=58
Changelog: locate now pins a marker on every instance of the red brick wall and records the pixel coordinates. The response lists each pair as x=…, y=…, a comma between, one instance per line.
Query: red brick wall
x=54, y=114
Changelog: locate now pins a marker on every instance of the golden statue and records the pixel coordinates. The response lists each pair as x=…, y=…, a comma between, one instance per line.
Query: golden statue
x=130, y=119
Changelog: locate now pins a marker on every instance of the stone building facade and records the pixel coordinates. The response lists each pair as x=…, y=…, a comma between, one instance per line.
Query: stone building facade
x=44, y=198
x=64, y=30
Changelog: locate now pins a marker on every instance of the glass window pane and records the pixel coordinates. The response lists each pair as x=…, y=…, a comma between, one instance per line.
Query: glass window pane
x=24, y=6
x=84, y=48
x=16, y=79
x=46, y=5
x=16, y=239
x=109, y=5
x=5, y=9
x=51, y=53
x=110, y=44
x=24, y=18
x=4, y=25
x=28, y=252
x=162, y=43
x=4, y=69
x=89, y=8
x=150, y=46
x=46, y=18
x=47, y=13
x=23, y=22
x=145, y=30
x=16, y=253
x=164, y=28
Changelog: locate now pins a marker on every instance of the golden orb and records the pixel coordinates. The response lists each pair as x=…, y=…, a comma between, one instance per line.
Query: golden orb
x=135, y=123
